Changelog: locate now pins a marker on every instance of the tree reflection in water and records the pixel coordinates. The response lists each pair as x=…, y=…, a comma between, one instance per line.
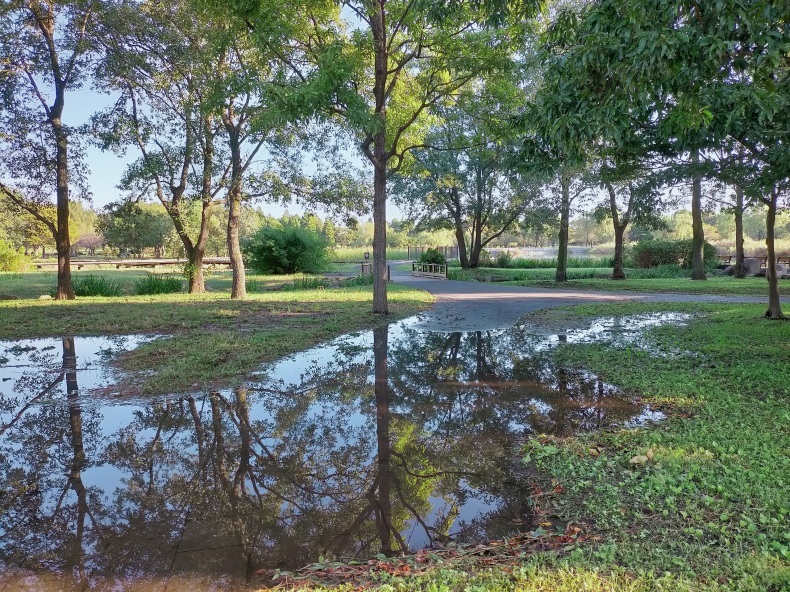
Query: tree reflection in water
x=334, y=453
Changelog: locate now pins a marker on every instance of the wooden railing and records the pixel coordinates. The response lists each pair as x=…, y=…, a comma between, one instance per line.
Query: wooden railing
x=432, y=270
x=367, y=269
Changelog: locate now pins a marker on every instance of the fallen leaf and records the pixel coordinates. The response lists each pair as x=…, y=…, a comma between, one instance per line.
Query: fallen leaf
x=649, y=454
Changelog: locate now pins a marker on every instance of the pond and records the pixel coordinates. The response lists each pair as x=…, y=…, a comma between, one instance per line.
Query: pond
x=377, y=442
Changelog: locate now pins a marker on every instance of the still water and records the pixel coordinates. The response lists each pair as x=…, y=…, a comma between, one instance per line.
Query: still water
x=389, y=440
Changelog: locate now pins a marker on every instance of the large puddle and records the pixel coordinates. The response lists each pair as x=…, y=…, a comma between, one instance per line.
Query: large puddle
x=388, y=440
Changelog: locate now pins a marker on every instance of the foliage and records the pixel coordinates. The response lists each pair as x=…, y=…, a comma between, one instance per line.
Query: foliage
x=573, y=262
x=12, y=259
x=360, y=280
x=95, y=285
x=134, y=227
x=286, y=249
x=432, y=255
x=661, y=252
x=158, y=284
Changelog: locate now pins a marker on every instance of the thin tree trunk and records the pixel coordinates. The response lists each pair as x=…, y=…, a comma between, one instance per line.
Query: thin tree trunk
x=379, y=158
x=740, y=272
x=619, y=232
x=380, y=229
x=618, y=273
x=562, y=252
x=698, y=233
x=458, y=222
x=774, y=311
x=65, y=290
x=238, y=289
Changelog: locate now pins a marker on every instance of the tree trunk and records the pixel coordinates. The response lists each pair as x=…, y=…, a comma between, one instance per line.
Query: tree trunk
x=619, y=232
x=562, y=251
x=65, y=290
x=383, y=453
x=458, y=222
x=740, y=272
x=698, y=233
x=379, y=158
x=380, y=229
x=774, y=311
x=238, y=289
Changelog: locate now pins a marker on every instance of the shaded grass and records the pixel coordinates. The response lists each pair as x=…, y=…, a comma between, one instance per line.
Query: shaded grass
x=210, y=340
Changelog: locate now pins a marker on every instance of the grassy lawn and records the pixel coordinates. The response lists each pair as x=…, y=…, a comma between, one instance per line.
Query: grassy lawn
x=699, y=502
x=595, y=279
x=210, y=340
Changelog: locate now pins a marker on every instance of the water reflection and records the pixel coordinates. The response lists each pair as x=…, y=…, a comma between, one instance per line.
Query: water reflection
x=377, y=443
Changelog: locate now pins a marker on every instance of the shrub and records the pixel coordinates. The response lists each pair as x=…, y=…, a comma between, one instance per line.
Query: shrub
x=12, y=259
x=94, y=285
x=503, y=260
x=158, y=284
x=306, y=283
x=653, y=253
x=286, y=249
x=432, y=256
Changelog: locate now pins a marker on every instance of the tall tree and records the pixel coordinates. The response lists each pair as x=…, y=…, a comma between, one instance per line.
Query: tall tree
x=463, y=178
x=380, y=66
x=44, y=54
x=155, y=57
x=712, y=77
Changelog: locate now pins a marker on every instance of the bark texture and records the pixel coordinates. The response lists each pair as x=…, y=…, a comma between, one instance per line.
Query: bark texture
x=698, y=233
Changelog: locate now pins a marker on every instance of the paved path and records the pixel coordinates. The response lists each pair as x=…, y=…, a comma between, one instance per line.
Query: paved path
x=475, y=306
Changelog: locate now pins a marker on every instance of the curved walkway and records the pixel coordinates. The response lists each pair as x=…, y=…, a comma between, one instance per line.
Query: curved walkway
x=475, y=306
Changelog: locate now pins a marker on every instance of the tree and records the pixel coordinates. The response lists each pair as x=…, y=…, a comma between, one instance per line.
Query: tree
x=381, y=74
x=633, y=198
x=156, y=57
x=464, y=179
x=712, y=79
x=45, y=50
x=133, y=227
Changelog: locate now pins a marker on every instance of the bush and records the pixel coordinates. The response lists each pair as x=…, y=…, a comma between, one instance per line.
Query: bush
x=503, y=260
x=158, y=284
x=360, y=280
x=12, y=259
x=653, y=253
x=432, y=256
x=286, y=249
x=94, y=285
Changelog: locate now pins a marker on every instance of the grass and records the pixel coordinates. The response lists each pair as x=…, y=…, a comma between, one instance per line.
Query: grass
x=158, y=284
x=657, y=280
x=209, y=340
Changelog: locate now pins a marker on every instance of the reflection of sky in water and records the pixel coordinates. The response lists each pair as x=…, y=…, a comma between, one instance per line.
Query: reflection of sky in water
x=317, y=409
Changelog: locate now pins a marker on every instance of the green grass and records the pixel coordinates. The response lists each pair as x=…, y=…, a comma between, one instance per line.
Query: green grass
x=209, y=340
x=658, y=281
x=713, y=503
x=158, y=284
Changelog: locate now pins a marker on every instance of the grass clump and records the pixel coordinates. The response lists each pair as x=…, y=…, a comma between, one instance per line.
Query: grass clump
x=94, y=285
x=158, y=284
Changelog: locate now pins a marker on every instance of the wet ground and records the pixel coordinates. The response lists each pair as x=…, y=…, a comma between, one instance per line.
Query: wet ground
x=394, y=439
